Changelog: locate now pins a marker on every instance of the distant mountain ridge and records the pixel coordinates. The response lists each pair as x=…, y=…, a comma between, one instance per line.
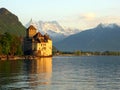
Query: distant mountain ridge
x=53, y=28
x=101, y=38
x=10, y=23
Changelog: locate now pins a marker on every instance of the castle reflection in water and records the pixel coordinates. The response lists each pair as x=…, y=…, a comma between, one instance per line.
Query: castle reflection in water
x=39, y=71
x=31, y=73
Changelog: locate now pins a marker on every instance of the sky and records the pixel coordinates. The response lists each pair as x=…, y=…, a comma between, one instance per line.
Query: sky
x=81, y=14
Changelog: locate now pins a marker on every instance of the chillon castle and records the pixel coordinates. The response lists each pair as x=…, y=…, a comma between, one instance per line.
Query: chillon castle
x=37, y=44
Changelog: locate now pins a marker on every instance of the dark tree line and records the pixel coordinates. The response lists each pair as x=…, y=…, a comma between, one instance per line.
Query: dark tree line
x=10, y=44
x=89, y=53
x=114, y=53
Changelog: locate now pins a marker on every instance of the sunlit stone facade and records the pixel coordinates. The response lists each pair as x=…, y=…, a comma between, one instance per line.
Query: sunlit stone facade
x=37, y=44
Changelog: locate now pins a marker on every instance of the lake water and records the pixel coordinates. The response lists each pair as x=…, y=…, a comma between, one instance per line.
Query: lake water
x=61, y=73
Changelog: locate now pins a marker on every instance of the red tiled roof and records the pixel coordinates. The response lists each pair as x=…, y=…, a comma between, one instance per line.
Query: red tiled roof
x=31, y=27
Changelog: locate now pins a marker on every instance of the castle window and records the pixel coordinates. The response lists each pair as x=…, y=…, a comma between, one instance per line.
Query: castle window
x=44, y=44
x=44, y=48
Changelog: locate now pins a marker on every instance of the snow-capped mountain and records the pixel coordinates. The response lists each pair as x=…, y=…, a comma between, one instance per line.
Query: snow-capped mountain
x=53, y=25
x=53, y=28
x=111, y=25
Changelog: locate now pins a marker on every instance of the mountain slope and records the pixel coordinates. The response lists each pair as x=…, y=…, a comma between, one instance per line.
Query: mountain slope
x=10, y=23
x=101, y=38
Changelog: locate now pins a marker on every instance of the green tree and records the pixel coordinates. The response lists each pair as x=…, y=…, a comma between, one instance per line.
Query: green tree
x=5, y=45
x=10, y=44
x=77, y=52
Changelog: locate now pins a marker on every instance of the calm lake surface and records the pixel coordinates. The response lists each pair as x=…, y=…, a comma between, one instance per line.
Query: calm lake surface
x=61, y=73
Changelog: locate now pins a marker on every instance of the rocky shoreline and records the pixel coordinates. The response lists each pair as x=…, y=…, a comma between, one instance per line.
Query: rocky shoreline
x=21, y=57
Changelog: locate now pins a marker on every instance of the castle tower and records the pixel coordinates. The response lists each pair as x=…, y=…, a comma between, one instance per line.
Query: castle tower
x=31, y=31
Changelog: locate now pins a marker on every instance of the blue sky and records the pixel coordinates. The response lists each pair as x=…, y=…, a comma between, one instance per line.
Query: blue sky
x=80, y=14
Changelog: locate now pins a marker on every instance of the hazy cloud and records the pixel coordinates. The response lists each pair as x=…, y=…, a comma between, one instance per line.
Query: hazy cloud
x=93, y=22
x=88, y=16
x=88, y=20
